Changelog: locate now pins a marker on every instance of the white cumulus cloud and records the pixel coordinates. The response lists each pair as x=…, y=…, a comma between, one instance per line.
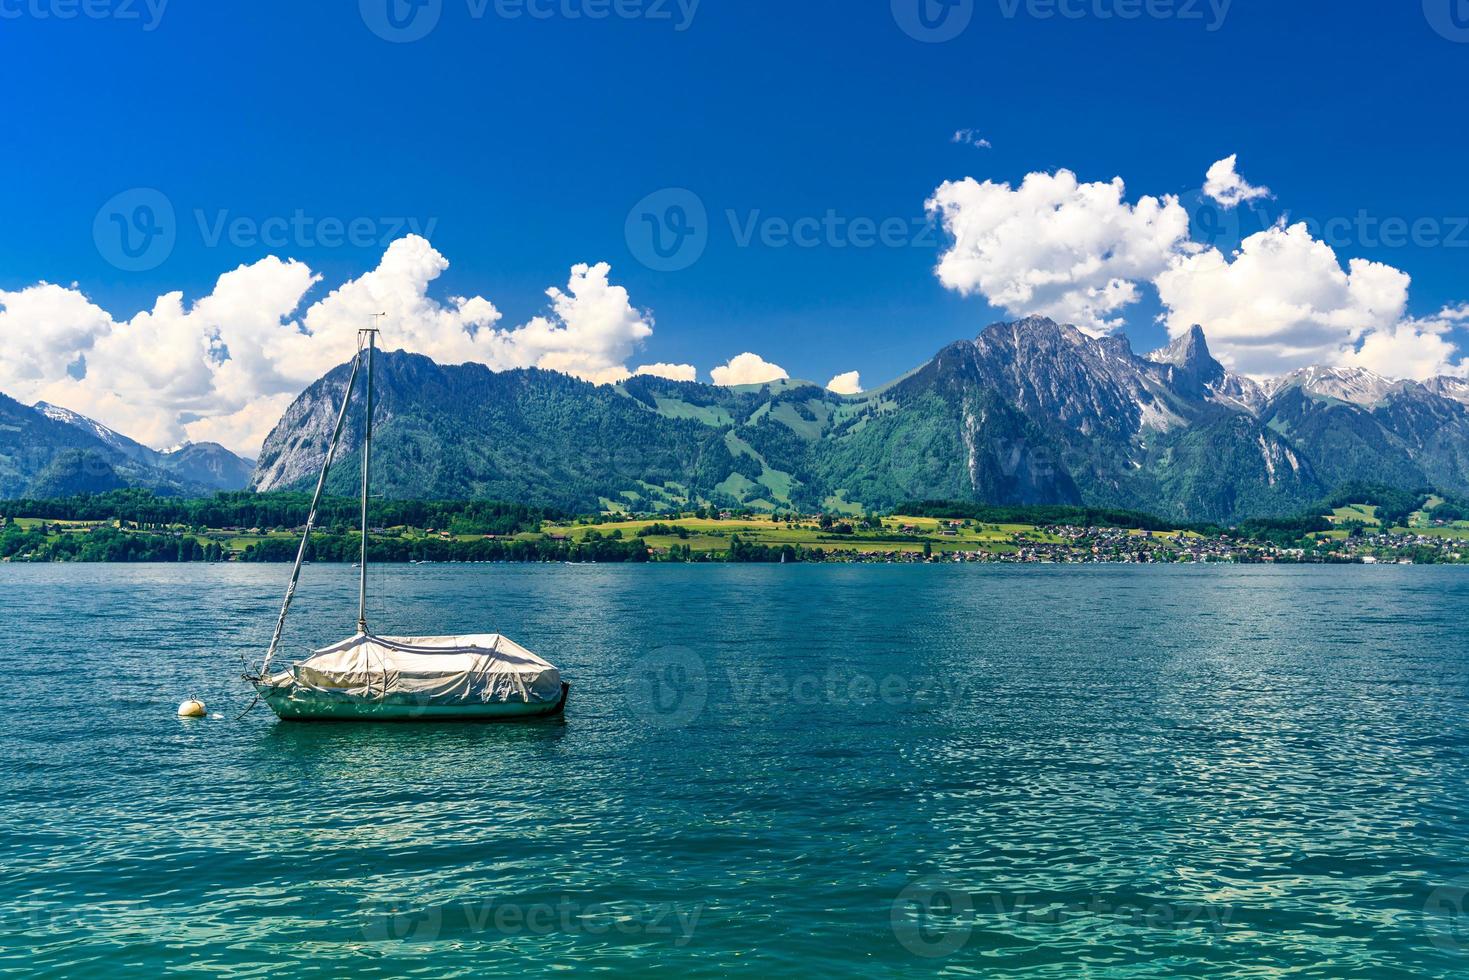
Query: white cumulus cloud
x=168, y=368
x=1224, y=184
x=1080, y=253
x=846, y=384
x=1055, y=246
x=45, y=328
x=224, y=367
x=672, y=372
x=747, y=369
x=1283, y=301
x=590, y=332
x=1414, y=349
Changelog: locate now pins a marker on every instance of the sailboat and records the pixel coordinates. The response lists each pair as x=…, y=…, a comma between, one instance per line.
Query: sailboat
x=366, y=677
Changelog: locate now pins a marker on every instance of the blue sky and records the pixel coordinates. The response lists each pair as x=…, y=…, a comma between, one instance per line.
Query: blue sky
x=524, y=142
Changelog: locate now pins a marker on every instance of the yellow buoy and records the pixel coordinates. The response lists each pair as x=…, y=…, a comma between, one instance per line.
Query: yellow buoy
x=192, y=709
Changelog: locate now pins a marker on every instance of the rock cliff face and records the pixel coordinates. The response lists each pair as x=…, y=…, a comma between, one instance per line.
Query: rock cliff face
x=294, y=450
x=1027, y=412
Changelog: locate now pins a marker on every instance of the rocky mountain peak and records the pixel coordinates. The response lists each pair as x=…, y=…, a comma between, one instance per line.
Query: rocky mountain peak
x=1188, y=349
x=1456, y=389
x=1056, y=371
x=1194, y=369
x=1033, y=332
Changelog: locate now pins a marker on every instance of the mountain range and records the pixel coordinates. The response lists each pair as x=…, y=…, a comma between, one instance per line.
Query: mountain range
x=49, y=451
x=1027, y=412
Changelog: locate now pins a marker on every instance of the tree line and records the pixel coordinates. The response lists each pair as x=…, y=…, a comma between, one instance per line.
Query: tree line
x=244, y=509
x=103, y=544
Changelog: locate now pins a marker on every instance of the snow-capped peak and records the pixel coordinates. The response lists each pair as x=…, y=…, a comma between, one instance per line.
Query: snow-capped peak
x=65, y=415
x=1357, y=386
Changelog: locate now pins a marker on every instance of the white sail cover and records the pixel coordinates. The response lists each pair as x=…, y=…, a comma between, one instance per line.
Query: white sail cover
x=476, y=669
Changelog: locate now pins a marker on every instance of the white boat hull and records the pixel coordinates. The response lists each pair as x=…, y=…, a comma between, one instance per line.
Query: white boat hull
x=298, y=704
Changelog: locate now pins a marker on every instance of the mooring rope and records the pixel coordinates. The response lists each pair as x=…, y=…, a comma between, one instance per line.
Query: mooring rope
x=249, y=707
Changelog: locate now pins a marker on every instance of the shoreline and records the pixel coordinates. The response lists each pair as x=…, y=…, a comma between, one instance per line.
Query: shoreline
x=829, y=561
x=267, y=531
x=55, y=543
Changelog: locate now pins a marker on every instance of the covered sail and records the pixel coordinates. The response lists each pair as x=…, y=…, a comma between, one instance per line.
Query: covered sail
x=425, y=670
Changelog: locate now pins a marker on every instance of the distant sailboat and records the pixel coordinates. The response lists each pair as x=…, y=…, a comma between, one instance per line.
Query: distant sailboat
x=401, y=678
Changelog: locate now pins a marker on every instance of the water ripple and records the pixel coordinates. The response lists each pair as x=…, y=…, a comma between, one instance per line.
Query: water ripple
x=867, y=771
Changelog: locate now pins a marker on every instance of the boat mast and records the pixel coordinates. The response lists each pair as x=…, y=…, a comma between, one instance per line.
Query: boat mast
x=331, y=452
x=366, y=463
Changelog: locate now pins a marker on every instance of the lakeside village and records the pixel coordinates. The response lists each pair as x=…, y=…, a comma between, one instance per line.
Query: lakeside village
x=132, y=526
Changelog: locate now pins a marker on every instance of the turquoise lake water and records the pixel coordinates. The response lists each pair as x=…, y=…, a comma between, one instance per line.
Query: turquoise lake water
x=845, y=771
